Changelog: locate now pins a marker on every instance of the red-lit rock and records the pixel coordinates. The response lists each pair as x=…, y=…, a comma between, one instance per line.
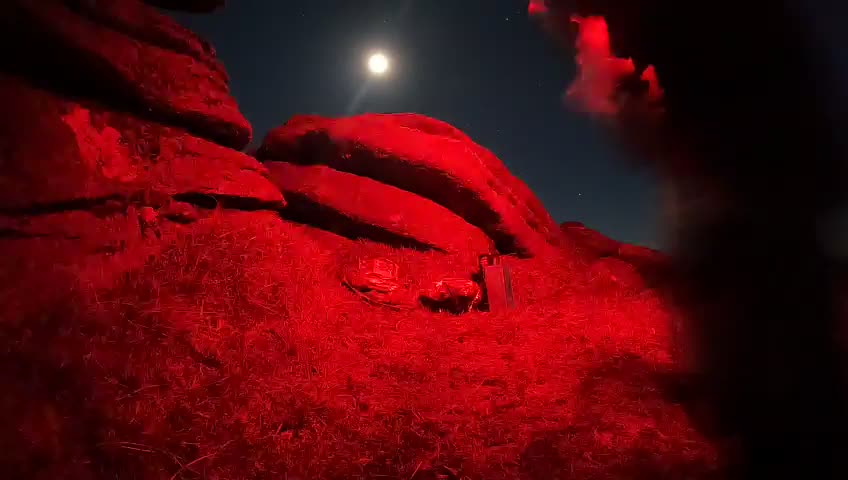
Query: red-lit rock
x=194, y=6
x=651, y=264
x=454, y=295
x=66, y=155
x=143, y=22
x=70, y=52
x=361, y=207
x=429, y=159
x=640, y=255
x=595, y=242
x=538, y=217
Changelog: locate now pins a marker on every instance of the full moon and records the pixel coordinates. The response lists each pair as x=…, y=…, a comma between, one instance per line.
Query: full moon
x=378, y=64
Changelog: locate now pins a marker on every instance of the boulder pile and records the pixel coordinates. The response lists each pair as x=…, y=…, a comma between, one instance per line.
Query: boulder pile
x=118, y=125
x=127, y=56
x=115, y=101
x=650, y=264
x=358, y=206
x=423, y=165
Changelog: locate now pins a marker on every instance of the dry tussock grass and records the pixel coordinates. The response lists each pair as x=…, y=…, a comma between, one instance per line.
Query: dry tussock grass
x=237, y=353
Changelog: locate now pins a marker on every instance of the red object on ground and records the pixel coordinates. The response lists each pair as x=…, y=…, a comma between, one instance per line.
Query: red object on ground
x=376, y=280
x=499, y=293
x=454, y=295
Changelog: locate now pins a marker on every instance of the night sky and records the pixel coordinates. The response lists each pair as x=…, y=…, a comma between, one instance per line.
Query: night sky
x=481, y=65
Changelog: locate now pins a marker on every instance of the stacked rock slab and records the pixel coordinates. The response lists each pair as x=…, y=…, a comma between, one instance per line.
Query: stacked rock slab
x=117, y=142
x=357, y=206
x=137, y=20
x=68, y=153
x=537, y=216
x=650, y=263
x=594, y=242
x=127, y=56
x=116, y=121
x=429, y=159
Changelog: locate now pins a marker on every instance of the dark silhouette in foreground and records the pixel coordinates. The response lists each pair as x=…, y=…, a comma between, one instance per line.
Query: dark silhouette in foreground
x=742, y=133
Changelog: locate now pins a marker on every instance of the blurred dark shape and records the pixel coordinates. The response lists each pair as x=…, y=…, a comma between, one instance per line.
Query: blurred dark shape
x=748, y=146
x=193, y=6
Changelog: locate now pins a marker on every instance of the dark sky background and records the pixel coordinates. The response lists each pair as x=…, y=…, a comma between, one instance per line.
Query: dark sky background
x=481, y=65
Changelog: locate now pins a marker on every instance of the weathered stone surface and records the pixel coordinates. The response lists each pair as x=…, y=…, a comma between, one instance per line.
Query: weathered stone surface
x=70, y=52
x=60, y=155
x=538, y=217
x=94, y=231
x=143, y=22
x=651, y=264
x=360, y=206
x=424, y=157
x=595, y=242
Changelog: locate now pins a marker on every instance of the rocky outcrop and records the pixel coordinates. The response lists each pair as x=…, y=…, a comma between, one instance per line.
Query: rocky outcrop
x=358, y=206
x=126, y=56
x=594, y=242
x=651, y=264
x=137, y=20
x=427, y=158
x=538, y=217
x=117, y=135
x=66, y=153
